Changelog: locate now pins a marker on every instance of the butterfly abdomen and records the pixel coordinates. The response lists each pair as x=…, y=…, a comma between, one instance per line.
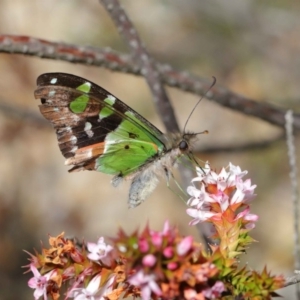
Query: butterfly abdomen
x=146, y=179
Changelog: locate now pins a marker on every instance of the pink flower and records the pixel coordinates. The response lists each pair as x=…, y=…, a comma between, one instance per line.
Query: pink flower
x=40, y=282
x=215, y=291
x=185, y=246
x=166, y=228
x=222, y=199
x=149, y=260
x=191, y=294
x=69, y=272
x=146, y=283
x=143, y=245
x=99, y=251
x=79, y=280
x=168, y=252
x=199, y=215
x=248, y=189
x=172, y=266
x=93, y=291
x=199, y=197
x=202, y=273
x=157, y=237
x=220, y=192
x=248, y=219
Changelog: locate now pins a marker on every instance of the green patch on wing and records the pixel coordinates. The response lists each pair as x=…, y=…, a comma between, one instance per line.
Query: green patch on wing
x=125, y=157
x=85, y=87
x=128, y=147
x=106, y=111
x=78, y=105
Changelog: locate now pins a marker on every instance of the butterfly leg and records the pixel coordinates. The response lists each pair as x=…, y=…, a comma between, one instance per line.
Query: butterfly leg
x=143, y=184
x=170, y=175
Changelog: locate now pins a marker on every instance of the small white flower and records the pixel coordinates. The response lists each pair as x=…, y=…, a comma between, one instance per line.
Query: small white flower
x=40, y=282
x=146, y=283
x=93, y=291
x=198, y=215
x=99, y=251
x=218, y=193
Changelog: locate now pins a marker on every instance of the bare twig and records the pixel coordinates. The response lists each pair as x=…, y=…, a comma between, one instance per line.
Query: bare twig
x=148, y=69
x=123, y=63
x=144, y=60
x=295, y=189
x=87, y=55
x=292, y=280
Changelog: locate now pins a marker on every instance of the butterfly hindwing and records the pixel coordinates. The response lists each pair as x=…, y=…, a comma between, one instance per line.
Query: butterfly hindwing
x=95, y=130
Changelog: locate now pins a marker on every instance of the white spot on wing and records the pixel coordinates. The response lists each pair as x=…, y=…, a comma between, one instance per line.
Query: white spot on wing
x=51, y=93
x=87, y=129
x=112, y=98
x=74, y=149
x=75, y=118
x=53, y=80
x=87, y=126
x=130, y=113
x=87, y=85
x=73, y=139
x=89, y=153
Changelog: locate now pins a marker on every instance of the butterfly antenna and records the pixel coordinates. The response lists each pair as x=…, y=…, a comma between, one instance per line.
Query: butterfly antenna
x=213, y=83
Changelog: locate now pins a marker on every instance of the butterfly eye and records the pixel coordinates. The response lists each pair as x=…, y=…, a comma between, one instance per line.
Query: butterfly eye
x=183, y=145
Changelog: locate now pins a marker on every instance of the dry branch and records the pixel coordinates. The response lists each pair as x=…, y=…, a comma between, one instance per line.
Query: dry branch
x=115, y=61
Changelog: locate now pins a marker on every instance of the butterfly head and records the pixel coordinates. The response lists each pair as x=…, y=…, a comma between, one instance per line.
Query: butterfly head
x=185, y=142
x=182, y=142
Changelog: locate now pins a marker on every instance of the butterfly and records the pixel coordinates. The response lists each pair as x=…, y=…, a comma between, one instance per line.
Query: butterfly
x=97, y=131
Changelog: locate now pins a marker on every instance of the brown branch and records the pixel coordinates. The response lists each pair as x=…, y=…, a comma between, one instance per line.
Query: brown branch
x=148, y=69
x=290, y=140
x=87, y=55
x=122, y=63
x=146, y=63
x=292, y=280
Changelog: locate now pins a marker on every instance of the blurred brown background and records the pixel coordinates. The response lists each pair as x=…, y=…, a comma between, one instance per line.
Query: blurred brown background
x=252, y=47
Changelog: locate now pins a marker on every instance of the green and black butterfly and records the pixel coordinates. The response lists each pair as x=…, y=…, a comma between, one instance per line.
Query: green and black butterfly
x=97, y=131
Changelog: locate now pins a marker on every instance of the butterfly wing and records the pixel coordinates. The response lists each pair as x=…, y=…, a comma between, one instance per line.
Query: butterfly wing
x=95, y=130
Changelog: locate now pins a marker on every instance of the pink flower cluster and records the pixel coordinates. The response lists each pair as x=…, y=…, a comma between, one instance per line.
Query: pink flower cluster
x=50, y=282
x=163, y=264
x=219, y=193
x=158, y=242
x=152, y=264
